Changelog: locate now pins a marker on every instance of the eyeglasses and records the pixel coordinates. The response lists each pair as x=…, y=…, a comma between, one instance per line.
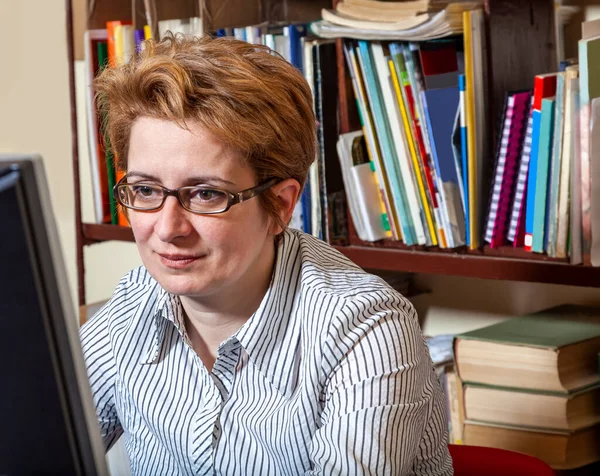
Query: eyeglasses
x=198, y=199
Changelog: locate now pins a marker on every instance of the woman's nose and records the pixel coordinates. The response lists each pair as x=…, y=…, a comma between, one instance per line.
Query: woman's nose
x=173, y=221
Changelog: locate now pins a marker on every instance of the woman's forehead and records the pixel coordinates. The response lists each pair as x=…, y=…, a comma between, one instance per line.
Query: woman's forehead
x=167, y=151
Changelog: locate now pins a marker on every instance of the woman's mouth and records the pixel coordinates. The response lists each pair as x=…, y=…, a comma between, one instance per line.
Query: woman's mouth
x=178, y=261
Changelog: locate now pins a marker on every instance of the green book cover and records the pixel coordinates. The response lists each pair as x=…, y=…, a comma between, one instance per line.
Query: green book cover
x=551, y=329
x=109, y=156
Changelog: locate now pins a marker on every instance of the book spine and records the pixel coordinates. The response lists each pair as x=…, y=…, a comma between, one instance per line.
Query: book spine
x=464, y=153
x=541, y=183
x=402, y=86
x=499, y=173
x=515, y=143
x=372, y=145
x=414, y=71
x=413, y=232
x=554, y=178
x=516, y=228
x=471, y=133
x=383, y=136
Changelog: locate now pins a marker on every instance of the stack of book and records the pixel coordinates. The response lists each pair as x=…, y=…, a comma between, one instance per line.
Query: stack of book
x=542, y=194
x=531, y=384
x=422, y=108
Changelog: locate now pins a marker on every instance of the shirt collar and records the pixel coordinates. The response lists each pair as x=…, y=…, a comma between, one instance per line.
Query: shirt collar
x=271, y=336
x=167, y=308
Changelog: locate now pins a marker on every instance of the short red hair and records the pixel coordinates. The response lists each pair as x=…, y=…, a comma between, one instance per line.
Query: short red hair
x=250, y=99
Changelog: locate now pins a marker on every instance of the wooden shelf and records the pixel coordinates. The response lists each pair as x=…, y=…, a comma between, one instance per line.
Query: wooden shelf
x=505, y=263
x=468, y=264
x=93, y=233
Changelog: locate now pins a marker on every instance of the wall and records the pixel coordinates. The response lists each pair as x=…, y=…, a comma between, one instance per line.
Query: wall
x=35, y=118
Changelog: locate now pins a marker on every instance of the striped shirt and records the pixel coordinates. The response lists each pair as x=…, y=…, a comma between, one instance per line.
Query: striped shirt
x=330, y=375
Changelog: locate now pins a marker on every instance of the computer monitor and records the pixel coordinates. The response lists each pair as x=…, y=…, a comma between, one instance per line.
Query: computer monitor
x=49, y=424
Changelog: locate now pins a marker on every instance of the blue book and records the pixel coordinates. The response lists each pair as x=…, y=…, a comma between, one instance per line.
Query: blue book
x=382, y=129
x=294, y=33
x=462, y=87
x=543, y=165
x=440, y=107
x=531, y=178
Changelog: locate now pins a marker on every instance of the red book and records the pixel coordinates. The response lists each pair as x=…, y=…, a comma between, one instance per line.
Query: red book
x=544, y=87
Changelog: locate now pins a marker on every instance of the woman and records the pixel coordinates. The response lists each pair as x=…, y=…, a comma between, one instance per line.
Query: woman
x=240, y=346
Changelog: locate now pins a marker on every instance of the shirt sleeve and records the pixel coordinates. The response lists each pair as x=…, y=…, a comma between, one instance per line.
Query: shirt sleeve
x=97, y=352
x=383, y=409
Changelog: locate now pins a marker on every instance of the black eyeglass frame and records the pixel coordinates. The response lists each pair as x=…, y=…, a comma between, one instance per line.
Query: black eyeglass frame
x=232, y=198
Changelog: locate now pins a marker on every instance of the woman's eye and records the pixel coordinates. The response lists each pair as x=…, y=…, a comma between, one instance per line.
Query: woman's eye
x=206, y=195
x=144, y=192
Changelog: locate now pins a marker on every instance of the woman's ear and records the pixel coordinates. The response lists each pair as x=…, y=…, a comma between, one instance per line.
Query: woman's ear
x=287, y=192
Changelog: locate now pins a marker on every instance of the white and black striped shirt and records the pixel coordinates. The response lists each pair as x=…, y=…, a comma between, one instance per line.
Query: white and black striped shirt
x=330, y=375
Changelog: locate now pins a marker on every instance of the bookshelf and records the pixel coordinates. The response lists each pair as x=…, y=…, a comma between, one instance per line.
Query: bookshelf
x=515, y=29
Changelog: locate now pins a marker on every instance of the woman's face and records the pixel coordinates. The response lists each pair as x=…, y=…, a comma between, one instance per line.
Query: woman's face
x=188, y=254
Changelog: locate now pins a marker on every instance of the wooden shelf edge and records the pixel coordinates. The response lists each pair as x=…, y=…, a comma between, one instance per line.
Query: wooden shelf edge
x=95, y=233
x=465, y=265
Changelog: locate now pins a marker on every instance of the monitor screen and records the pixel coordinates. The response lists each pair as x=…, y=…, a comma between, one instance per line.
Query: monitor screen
x=46, y=410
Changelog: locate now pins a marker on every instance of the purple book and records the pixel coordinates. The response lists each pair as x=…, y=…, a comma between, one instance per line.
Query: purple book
x=138, y=36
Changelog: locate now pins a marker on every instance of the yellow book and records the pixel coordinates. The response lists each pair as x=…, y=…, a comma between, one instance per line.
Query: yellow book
x=471, y=133
x=147, y=32
x=413, y=153
x=119, y=45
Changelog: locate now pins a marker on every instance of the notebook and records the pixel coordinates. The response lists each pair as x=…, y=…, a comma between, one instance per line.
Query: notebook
x=507, y=161
x=516, y=229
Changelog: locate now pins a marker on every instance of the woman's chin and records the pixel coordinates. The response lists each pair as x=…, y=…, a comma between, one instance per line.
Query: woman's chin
x=185, y=286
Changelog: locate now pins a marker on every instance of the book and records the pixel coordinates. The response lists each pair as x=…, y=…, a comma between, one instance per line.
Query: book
x=447, y=22
x=383, y=134
x=400, y=24
x=556, y=166
x=388, y=11
x=107, y=153
x=328, y=184
x=403, y=89
x=544, y=87
x=509, y=146
x=361, y=187
x=475, y=52
x=95, y=142
x=538, y=243
x=516, y=229
x=566, y=191
x=373, y=149
x=415, y=76
x=413, y=233
x=573, y=411
x=575, y=224
x=589, y=89
x=464, y=154
x=559, y=449
x=595, y=181
x=552, y=350
x=440, y=112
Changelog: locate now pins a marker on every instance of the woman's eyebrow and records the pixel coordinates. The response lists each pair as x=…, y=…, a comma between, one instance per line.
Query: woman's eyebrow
x=188, y=181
